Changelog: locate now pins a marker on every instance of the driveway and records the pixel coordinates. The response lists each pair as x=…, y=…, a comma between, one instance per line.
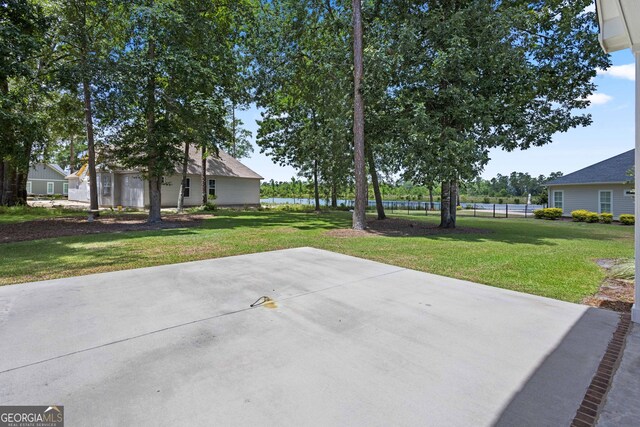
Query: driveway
x=345, y=342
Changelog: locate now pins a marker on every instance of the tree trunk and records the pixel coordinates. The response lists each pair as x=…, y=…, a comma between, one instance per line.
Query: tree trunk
x=334, y=194
x=91, y=150
x=453, y=202
x=72, y=156
x=183, y=183
x=430, y=197
x=155, y=199
x=233, y=129
x=8, y=196
x=203, y=177
x=375, y=184
x=21, y=188
x=2, y=181
x=316, y=193
x=446, y=221
x=361, y=196
x=4, y=165
x=155, y=178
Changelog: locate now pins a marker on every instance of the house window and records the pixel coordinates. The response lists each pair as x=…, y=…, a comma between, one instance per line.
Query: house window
x=106, y=185
x=558, y=199
x=606, y=201
x=187, y=187
x=50, y=189
x=212, y=187
x=29, y=187
x=65, y=188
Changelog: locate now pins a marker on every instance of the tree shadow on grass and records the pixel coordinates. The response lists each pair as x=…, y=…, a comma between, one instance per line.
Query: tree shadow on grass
x=71, y=255
x=480, y=231
x=304, y=221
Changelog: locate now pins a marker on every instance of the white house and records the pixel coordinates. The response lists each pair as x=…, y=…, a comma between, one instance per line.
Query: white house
x=231, y=182
x=46, y=179
x=603, y=187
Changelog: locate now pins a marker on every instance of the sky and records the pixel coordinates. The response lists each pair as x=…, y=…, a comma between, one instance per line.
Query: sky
x=611, y=133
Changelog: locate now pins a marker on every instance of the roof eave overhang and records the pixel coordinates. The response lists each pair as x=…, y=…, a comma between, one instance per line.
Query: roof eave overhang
x=592, y=183
x=619, y=22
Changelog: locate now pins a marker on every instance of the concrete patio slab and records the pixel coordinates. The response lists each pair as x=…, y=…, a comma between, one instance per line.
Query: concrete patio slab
x=347, y=342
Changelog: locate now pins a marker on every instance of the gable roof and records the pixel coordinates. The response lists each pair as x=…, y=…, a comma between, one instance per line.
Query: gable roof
x=613, y=170
x=222, y=165
x=56, y=168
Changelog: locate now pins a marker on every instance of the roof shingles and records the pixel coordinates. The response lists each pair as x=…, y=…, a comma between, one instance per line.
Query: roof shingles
x=613, y=170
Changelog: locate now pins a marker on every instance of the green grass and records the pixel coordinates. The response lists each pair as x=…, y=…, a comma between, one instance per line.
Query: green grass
x=548, y=258
x=13, y=214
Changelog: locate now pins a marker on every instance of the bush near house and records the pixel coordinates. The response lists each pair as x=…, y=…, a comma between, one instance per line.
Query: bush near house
x=592, y=217
x=583, y=215
x=548, y=213
x=579, y=215
x=627, y=219
x=606, y=218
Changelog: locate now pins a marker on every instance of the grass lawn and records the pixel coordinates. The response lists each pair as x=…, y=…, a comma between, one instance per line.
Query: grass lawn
x=13, y=214
x=548, y=258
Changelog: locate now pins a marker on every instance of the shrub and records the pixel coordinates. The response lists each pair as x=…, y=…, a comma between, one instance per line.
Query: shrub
x=606, y=218
x=592, y=217
x=623, y=269
x=579, y=215
x=548, y=213
x=516, y=201
x=500, y=201
x=209, y=207
x=627, y=219
x=458, y=208
x=486, y=200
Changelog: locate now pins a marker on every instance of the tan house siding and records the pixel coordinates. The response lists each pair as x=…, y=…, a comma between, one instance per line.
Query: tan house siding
x=587, y=197
x=229, y=191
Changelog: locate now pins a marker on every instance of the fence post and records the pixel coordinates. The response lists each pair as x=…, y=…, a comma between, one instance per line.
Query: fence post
x=506, y=210
x=494, y=210
x=408, y=202
x=525, y=210
x=474, y=209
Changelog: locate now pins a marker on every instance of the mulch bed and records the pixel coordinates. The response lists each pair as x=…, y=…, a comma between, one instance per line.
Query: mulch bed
x=402, y=228
x=58, y=227
x=614, y=294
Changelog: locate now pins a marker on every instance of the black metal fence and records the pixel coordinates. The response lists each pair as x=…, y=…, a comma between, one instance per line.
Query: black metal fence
x=486, y=210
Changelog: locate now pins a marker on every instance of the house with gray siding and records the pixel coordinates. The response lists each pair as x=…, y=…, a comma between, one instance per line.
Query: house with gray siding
x=606, y=186
x=228, y=180
x=46, y=179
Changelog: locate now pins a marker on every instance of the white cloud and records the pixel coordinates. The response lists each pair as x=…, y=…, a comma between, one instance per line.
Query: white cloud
x=599, y=98
x=627, y=72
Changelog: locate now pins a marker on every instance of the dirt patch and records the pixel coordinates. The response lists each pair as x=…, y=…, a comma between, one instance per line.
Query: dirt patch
x=402, y=228
x=614, y=294
x=58, y=227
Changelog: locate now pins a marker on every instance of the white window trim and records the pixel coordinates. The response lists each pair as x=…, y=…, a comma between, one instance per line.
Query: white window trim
x=29, y=187
x=53, y=187
x=600, y=200
x=553, y=198
x=209, y=187
x=65, y=188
